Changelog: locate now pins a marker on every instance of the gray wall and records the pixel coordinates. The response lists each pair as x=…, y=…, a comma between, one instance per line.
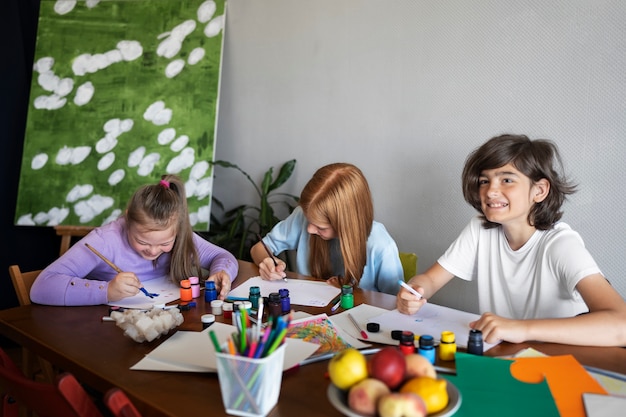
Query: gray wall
x=405, y=89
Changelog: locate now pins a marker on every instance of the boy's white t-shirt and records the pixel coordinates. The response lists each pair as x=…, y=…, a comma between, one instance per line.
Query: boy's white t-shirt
x=536, y=281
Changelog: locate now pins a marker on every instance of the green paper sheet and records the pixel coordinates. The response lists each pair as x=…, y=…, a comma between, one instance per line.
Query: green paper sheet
x=488, y=389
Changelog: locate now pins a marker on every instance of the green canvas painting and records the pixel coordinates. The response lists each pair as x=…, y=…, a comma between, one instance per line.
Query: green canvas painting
x=123, y=91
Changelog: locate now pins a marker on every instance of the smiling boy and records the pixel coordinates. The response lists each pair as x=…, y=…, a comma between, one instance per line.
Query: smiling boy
x=536, y=280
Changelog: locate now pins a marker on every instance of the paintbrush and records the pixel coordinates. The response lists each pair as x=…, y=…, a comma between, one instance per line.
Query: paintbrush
x=117, y=269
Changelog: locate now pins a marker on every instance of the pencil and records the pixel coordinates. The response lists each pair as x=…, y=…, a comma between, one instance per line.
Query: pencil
x=216, y=344
x=116, y=268
x=270, y=254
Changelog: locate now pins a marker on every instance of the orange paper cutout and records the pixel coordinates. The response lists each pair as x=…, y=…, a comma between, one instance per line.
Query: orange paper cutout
x=566, y=377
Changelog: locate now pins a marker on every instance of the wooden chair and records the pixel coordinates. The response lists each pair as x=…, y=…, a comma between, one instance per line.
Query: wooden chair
x=69, y=232
x=119, y=404
x=65, y=398
x=22, y=281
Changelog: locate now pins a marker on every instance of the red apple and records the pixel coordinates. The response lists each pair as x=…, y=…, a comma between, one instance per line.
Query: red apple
x=363, y=396
x=419, y=365
x=388, y=365
x=398, y=404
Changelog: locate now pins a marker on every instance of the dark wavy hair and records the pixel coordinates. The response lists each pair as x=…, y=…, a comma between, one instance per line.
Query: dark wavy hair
x=536, y=159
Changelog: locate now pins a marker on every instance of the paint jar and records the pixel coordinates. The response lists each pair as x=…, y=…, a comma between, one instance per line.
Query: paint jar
x=347, y=298
x=195, y=287
x=227, y=310
x=185, y=290
x=207, y=320
x=254, y=295
x=217, y=307
x=210, y=292
x=274, y=306
x=447, y=346
x=407, y=342
x=285, y=301
x=427, y=347
x=475, y=342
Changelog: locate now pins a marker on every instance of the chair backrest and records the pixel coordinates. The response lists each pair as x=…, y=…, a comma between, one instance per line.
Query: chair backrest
x=65, y=399
x=68, y=232
x=119, y=404
x=22, y=281
x=409, y=264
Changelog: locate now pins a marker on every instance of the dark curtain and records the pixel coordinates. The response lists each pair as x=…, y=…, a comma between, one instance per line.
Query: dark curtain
x=30, y=247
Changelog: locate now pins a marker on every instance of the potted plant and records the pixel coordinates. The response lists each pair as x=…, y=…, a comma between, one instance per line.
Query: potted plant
x=237, y=228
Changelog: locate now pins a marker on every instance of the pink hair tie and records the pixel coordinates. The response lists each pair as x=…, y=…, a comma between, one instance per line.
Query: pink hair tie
x=165, y=184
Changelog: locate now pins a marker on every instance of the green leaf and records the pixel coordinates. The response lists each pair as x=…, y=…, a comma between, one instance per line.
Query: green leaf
x=284, y=174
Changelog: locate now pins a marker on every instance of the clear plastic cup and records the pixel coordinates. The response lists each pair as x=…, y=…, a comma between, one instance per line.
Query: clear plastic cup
x=250, y=387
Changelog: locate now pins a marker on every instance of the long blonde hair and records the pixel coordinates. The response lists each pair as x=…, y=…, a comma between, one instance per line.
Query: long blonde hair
x=338, y=194
x=157, y=207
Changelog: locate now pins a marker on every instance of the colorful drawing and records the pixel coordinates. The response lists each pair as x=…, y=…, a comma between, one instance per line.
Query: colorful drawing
x=122, y=92
x=318, y=330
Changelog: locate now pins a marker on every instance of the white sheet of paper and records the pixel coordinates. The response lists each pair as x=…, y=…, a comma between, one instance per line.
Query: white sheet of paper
x=188, y=351
x=361, y=313
x=431, y=319
x=167, y=290
x=597, y=405
x=301, y=292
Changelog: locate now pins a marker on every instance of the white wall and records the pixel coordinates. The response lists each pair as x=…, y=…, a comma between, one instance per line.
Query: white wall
x=405, y=89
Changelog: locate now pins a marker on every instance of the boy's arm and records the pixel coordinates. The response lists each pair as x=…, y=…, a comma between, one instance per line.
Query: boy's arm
x=604, y=325
x=426, y=284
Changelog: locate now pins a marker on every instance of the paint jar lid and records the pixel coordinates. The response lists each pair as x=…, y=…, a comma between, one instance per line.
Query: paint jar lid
x=207, y=318
x=274, y=297
x=373, y=327
x=407, y=337
x=194, y=280
x=247, y=305
x=447, y=336
x=227, y=307
x=426, y=341
x=185, y=283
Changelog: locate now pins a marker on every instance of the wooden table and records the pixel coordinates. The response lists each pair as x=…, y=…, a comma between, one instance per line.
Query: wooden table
x=99, y=355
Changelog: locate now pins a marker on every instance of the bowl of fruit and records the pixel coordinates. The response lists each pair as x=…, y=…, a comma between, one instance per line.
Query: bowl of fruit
x=389, y=383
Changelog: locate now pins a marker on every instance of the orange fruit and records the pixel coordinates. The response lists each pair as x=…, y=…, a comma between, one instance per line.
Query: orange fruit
x=433, y=391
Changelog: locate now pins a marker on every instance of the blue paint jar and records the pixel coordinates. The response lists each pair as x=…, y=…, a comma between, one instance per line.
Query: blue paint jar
x=426, y=347
x=285, y=300
x=210, y=292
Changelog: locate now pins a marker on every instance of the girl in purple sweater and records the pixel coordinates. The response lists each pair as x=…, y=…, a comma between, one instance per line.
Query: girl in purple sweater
x=153, y=238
